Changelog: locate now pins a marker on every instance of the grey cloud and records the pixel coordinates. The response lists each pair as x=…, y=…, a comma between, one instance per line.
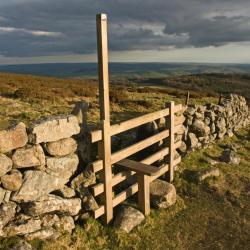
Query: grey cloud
x=182, y=23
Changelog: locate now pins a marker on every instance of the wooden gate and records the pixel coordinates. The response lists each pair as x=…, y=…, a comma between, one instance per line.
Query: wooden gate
x=108, y=161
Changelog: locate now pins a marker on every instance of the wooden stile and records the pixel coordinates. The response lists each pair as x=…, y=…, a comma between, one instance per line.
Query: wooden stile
x=144, y=171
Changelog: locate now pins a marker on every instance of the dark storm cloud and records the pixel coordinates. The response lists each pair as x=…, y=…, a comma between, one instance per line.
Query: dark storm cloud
x=45, y=27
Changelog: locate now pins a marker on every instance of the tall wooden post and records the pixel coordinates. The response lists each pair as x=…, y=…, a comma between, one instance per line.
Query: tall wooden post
x=105, y=147
x=171, y=117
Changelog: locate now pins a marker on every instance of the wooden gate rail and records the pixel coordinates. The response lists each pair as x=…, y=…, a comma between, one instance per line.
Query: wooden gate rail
x=143, y=170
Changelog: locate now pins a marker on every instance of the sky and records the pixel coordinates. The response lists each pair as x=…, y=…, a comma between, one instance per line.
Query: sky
x=41, y=31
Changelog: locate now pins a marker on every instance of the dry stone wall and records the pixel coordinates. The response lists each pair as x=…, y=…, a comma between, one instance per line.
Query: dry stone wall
x=205, y=124
x=41, y=191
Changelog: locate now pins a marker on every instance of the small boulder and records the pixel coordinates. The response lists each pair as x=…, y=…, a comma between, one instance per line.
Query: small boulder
x=128, y=218
x=200, y=128
x=54, y=129
x=13, y=138
x=43, y=234
x=7, y=213
x=12, y=181
x=229, y=156
x=162, y=194
x=5, y=164
x=192, y=140
x=62, y=147
x=2, y=195
x=204, y=174
x=22, y=227
x=52, y=203
x=29, y=157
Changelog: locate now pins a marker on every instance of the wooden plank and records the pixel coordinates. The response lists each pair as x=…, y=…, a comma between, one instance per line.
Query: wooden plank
x=143, y=193
x=105, y=149
x=129, y=124
x=125, y=194
x=171, y=126
x=133, y=123
x=126, y=152
x=133, y=189
x=118, y=178
x=138, y=167
x=118, y=199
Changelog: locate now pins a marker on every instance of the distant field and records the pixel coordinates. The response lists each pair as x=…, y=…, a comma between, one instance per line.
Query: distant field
x=27, y=97
x=126, y=69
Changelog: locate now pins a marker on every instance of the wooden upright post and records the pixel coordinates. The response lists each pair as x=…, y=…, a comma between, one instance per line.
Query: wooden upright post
x=105, y=147
x=171, y=125
x=220, y=98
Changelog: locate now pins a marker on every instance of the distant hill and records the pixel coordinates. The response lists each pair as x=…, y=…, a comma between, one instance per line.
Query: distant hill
x=66, y=70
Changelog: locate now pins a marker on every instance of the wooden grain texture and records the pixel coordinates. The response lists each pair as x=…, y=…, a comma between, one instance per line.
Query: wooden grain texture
x=171, y=127
x=105, y=146
x=138, y=167
x=143, y=193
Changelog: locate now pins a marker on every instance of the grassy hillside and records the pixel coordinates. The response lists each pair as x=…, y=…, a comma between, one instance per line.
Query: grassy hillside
x=214, y=214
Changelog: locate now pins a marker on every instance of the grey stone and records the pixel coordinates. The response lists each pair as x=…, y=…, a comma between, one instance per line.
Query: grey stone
x=54, y=129
x=192, y=140
x=85, y=179
x=29, y=157
x=200, y=128
x=204, y=174
x=13, y=138
x=7, y=213
x=128, y=218
x=51, y=203
x=191, y=110
x=63, y=167
x=65, y=224
x=7, y=196
x=12, y=181
x=162, y=194
x=36, y=184
x=2, y=194
x=88, y=201
x=49, y=220
x=65, y=192
x=22, y=227
x=229, y=156
x=5, y=164
x=62, y=147
x=43, y=234
x=212, y=162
